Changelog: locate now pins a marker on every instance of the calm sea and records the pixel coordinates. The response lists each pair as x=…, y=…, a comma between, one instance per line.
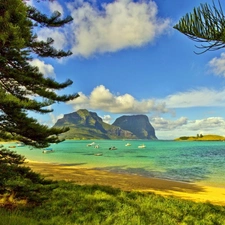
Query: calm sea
x=181, y=161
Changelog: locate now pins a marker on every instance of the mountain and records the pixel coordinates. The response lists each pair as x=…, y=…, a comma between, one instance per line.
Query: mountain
x=88, y=125
x=139, y=125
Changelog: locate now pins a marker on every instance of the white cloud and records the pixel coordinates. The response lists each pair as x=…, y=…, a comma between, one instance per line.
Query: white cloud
x=171, y=129
x=107, y=119
x=54, y=119
x=30, y=2
x=196, y=98
x=119, y=24
x=207, y=124
x=160, y=123
x=45, y=69
x=55, y=6
x=60, y=39
x=217, y=65
x=102, y=99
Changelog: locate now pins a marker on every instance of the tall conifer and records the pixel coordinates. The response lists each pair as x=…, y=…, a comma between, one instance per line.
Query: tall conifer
x=23, y=88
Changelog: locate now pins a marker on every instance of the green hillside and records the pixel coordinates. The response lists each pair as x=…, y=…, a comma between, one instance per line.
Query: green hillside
x=88, y=125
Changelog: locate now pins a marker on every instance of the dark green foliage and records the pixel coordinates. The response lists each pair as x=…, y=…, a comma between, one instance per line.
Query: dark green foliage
x=20, y=182
x=206, y=24
x=19, y=80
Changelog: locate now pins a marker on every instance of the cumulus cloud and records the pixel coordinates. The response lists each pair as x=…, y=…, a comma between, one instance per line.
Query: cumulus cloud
x=171, y=129
x=45, y=69
x=160, y=123
x=217, y=65
x=200, y=97
x=54, y=118
x=207, y=124
x=102, y=99
x=115, y=25
x=106, y=118
x=60, y=39
x=55, y=6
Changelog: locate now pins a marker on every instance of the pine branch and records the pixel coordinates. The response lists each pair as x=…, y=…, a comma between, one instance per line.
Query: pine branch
x=43, y=20
x=205, y=25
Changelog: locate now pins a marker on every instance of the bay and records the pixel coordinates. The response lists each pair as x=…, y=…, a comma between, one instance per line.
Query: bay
x=202, y=162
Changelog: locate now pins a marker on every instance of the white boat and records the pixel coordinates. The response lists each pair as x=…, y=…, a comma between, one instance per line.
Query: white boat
x=91, y=144
x=98, y=154
x=96, y=146
x=113, y=148
x=142, y=146
x=127, y=144
x=20, y=144
x=48, y=150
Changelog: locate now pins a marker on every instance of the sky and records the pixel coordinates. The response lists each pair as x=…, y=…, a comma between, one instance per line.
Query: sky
x=128, y=59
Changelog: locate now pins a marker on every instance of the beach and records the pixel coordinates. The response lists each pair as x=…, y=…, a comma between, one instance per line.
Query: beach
x=127, y=182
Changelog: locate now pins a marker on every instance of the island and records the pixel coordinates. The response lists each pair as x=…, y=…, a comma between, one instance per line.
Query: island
x=208, y=137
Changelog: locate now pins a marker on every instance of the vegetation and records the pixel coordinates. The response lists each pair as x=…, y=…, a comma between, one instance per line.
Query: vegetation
x=23, y=88
x=18, y=183
x=201, y=138
x=27, y=198
x=88, y=125
x=92, y=204
x=205, y=25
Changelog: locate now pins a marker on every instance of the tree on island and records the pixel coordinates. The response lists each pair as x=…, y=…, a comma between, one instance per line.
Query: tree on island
x=206, y=25
x=23, y=88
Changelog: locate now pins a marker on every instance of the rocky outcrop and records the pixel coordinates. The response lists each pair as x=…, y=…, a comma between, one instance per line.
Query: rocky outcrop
x=139, y=125
x=88, y=125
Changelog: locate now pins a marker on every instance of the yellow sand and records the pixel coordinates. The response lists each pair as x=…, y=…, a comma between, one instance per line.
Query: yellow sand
x=191, y=191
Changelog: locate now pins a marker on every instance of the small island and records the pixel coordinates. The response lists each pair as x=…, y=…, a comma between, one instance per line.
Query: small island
x=208, y=137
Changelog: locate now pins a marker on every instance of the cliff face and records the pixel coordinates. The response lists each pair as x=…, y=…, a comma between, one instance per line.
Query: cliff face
x=139, y=125
x=88, y=125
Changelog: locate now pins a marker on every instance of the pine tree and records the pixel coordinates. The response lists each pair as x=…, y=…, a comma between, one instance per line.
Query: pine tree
x=23, y=88
x=205, y=25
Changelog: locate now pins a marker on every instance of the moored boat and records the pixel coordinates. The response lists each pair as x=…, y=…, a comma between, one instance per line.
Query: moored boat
x=48, y=150
x=142, y=146
x=91, y=144
x=20, y=144
x=98, y=154
x=113, y=148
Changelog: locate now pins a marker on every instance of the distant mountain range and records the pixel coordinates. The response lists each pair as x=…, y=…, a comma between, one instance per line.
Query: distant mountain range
x=88, y=125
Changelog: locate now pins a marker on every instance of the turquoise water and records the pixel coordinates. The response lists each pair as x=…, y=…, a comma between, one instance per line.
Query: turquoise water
x=181, y=161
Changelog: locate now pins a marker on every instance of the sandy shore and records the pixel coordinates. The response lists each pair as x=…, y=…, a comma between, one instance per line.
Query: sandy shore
x=194, y=192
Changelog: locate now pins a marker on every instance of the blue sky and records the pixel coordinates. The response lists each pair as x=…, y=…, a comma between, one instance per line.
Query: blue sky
x=127, y=59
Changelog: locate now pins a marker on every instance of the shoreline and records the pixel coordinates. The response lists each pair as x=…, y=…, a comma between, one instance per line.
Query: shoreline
x=127, y=182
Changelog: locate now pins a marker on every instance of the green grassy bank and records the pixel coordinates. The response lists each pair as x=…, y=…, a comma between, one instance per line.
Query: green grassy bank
x=209, y=137
x=92, y=204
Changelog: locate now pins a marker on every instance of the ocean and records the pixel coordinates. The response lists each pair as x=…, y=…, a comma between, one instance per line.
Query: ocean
x=195, y=162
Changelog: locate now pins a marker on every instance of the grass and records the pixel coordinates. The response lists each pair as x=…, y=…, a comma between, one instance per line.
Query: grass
x=93, y=204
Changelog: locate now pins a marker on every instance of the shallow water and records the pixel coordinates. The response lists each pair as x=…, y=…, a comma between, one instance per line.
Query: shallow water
x=181, y=161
